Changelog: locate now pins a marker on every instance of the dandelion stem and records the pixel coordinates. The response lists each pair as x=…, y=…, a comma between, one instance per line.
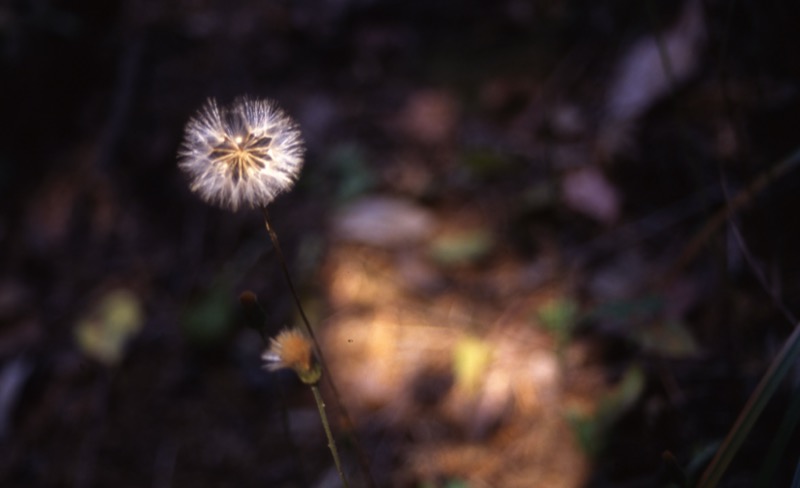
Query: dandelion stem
x=274, y=237
x=362, y=458
x=331, y=443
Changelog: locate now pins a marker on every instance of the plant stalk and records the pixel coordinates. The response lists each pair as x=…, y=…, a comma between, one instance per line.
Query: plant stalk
x=331, y=443
x=361, y=456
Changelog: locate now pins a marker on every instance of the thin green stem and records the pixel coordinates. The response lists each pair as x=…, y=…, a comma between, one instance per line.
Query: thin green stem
x=361, y=456
x=331, y=443
x=275, y=243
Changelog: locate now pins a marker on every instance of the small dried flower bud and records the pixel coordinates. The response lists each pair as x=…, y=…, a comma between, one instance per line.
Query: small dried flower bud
x=242, y=154
x=292, y=349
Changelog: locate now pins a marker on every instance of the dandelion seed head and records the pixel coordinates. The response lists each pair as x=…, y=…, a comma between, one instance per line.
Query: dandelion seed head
x=241, y=155
x=293, y=350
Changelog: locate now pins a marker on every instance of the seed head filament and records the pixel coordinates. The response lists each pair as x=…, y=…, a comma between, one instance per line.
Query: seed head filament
x=242, y=155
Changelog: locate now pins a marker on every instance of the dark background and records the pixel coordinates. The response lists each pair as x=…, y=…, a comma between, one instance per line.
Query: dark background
x=94, y=98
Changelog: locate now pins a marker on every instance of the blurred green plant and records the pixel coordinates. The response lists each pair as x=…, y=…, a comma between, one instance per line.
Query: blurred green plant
x=463, y=248
x=668, y=338
x=642, y=321
x=354, y=172
x=559, y=317
x=210, y=316
x=592, y=429
x=484, y=162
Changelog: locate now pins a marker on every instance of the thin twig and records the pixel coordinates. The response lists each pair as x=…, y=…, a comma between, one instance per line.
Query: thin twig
x=739, y=201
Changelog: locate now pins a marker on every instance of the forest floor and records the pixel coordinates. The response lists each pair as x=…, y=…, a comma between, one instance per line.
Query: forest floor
x=503, y=236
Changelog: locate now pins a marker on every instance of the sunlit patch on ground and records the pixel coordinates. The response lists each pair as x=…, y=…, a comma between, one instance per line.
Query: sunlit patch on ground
x=463, y=392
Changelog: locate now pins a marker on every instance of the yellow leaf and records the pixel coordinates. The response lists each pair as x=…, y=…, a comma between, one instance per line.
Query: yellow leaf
x=470, y=359
x=105, y=330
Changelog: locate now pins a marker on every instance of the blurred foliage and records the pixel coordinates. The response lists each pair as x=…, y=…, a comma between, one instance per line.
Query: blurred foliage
x=627, y=310
x=484, y=162
x=105, y=330
x=592, y=429
x=209, y=317
x=462, y=248
x=355, y=176
x=668, y=338
x=642, y=321
x=559, y=317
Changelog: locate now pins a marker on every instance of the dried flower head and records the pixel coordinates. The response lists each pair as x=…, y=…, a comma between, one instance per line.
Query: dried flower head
x=292, y=349
x=242, y=154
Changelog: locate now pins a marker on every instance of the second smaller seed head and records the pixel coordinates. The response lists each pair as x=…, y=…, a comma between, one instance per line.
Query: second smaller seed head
x=292, y=349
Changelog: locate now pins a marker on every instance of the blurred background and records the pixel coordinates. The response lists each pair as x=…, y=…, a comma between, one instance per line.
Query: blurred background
x=498, y=236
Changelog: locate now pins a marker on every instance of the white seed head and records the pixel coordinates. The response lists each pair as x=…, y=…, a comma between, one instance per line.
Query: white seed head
x=242, y=154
